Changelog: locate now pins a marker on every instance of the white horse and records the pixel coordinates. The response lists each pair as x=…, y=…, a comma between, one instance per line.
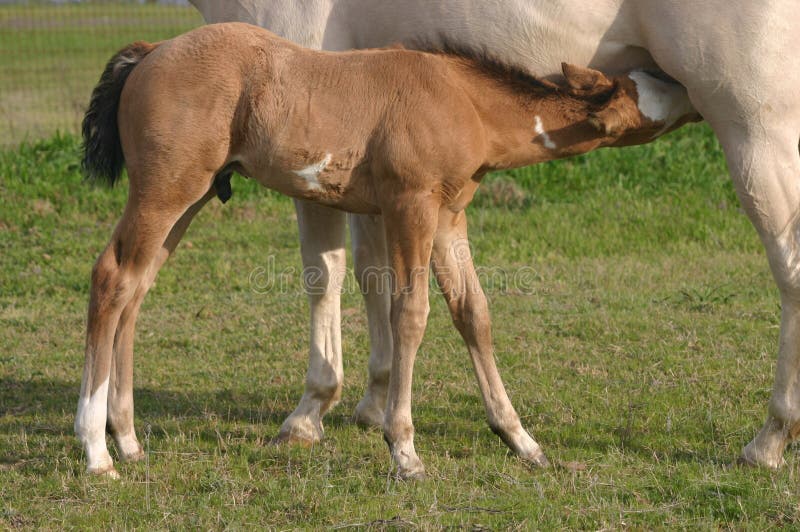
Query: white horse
x=736, y=59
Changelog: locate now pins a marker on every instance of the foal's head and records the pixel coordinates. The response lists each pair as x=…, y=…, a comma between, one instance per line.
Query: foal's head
x=633, y=108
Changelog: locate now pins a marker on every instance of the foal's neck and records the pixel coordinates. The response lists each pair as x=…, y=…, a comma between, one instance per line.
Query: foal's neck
x=527, y=121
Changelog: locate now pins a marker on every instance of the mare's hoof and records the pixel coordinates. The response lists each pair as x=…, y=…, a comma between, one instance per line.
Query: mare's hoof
x=108, y=472
x=368, y=416
x=411, y=474
x=132, y=457
x=537, y=459
x=290, y=438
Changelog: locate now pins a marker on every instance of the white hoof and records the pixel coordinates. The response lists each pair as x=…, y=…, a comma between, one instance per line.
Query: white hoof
x=108, y=472
x=301, y=431
x=536, y=459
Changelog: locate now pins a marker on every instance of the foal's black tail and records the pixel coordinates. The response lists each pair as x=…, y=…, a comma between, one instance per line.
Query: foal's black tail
x=102, y=150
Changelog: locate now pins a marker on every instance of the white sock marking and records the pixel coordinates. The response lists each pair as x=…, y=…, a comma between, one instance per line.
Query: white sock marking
x=90, y=425
x=311, y=173
x=539, y=129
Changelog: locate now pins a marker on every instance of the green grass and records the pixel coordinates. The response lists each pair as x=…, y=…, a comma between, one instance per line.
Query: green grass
x=52, y=56
x=639, y=352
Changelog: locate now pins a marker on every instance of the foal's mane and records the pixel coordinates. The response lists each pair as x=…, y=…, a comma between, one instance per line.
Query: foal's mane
x=490, y=66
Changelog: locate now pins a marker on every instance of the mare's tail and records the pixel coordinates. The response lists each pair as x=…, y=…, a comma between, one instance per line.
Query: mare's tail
x=102, y=150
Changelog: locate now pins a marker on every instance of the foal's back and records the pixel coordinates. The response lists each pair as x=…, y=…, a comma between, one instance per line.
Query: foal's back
x=271, y=108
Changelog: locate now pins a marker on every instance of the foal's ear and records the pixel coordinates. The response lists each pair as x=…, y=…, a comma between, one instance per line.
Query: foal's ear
x=586, y=81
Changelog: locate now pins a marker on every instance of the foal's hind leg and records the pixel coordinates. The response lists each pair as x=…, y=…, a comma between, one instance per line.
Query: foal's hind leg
x=116, y=275
x=451, y=261
x=120, y=384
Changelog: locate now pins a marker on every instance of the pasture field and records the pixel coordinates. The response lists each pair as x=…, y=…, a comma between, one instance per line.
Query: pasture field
x=638, y=345
x=52, y=55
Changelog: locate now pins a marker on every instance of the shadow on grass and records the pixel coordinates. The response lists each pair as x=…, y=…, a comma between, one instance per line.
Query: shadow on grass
x=40, y=406
x=45, y=399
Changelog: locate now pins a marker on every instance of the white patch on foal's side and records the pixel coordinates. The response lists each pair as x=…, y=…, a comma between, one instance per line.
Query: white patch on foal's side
x=661, y=100
x=311, y=173
x=539, y=129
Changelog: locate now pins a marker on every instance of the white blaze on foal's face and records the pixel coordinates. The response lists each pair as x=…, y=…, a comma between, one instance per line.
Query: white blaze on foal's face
x=661, y=101
x=311, y=173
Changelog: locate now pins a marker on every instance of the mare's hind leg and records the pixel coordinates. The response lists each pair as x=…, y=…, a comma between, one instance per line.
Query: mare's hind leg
x=120, y=383
x=322, y=249
x=766, y=170
x=371, y=268
x=116, y=275
x=451, y=261
x=764, y=163
x=748, y=96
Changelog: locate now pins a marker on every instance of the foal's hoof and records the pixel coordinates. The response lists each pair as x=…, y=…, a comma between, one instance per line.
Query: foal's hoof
x=108, y=472
x=745, y=461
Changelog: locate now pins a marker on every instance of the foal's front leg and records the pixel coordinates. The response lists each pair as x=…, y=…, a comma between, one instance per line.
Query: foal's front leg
x=410, y=224
x=452, y=264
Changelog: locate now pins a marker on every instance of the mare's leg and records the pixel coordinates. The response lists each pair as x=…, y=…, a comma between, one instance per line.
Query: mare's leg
x=750, y=101
x=765, y=166
x=120, y=383
x=764, y=162
x=452, y=264
x=410, y=226
x=371, y=266
x=322, y=248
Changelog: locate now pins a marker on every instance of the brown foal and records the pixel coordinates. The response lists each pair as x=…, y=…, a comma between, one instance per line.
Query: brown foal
x=405, y=134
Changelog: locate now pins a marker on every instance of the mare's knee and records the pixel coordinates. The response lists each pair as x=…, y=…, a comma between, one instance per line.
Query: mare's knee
x=325, y=274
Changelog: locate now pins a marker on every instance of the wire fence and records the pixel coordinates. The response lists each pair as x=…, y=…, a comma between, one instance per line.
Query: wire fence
x=52, y=54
